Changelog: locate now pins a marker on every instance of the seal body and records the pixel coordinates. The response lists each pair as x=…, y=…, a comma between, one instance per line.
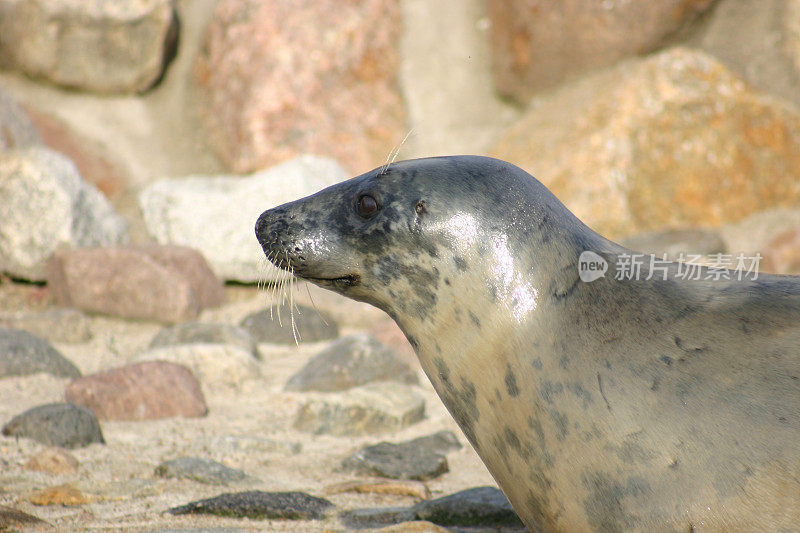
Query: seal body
x=612, y=405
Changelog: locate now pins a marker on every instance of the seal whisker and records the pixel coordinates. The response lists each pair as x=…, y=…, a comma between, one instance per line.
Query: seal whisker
x=394, y=152
x=314, y=305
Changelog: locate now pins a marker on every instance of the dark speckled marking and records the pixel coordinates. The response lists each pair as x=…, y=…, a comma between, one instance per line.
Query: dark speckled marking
x=548, y=390
x=461, y=400
x=475, y=319
x=577, y=389
x=561, y=422
x=603, y=506
x=413, y=342
x=511, y=382
x=461, y=264
x=513, y=439
x=537, y=363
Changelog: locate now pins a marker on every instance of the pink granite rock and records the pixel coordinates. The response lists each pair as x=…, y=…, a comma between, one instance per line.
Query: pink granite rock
x=166, y=283
x=141, y=391
x=538, y=44
x=279, y=79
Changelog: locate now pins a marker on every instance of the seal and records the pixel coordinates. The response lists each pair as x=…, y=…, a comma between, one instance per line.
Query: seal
x=646, y=403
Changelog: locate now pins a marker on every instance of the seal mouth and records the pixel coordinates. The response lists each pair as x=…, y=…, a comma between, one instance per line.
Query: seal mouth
x=350, y=280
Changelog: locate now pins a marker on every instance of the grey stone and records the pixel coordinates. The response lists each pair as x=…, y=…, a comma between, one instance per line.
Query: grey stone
x=422, y=458
x=46, y=206
x=676, y=242
x=16, y=128
x=274, y=325
x=373, y=518
x=476, y=507
x=350, y=362
x=479, y=506
x=368, y=410
x=259, y=505
x=205, y=333
x=56, y=325
x=22, y=354
x=98, y=46
x=57, y=424
x=230, y=205
x=12, y=519
x=203, y=471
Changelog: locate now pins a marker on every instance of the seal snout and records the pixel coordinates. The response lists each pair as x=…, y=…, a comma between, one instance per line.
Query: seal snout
x=274, y=236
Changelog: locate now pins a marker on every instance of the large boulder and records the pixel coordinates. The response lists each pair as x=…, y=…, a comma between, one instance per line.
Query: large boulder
x=278, y=79
x=674, y=140
x=97, y=46
x=537, y=45
x=46, y=206
x=216, y=215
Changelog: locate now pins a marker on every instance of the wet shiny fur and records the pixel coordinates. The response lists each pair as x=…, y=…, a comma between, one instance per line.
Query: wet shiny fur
x=616, y=405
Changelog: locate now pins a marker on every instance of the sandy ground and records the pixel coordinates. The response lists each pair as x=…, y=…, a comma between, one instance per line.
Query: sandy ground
x=248, y=427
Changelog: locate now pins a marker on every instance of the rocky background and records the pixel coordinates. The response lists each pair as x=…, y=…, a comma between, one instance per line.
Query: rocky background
x=148, y=383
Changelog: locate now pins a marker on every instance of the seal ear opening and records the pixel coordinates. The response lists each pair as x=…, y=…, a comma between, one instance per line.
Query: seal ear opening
x=421, y=207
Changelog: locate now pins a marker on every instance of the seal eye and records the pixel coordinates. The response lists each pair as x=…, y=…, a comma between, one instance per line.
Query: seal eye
x=367, y=206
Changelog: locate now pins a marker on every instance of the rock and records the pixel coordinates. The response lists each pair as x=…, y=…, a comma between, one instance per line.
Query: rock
x=373, y=518
x=350, y=362
x=415, y=489
x=367, y=410
x=94, y=162
x=274, y=325
x=16, y=128
x=755, y=40
x=415, y=526
x=213, y=364
x=216, y=215
x=166, y=283
x=475, y=507
x=11, y=519
x=791, y=22
x=65, y=495
x=753, y=234
x=479, y=506
x=677, y=242
x=442, y=442
x=96, y=46
x=46, y=206
x=672, y=140
x=57, y=325
x=537, y=45
x=141, y=391
x=53, y=461
x=260, y=505
x=205, y=333
x=782, y=253
x=267, y=72
x=57, y=424
x=203, y=471
x=422, y=458
x=397, y=462
x=22, y=354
